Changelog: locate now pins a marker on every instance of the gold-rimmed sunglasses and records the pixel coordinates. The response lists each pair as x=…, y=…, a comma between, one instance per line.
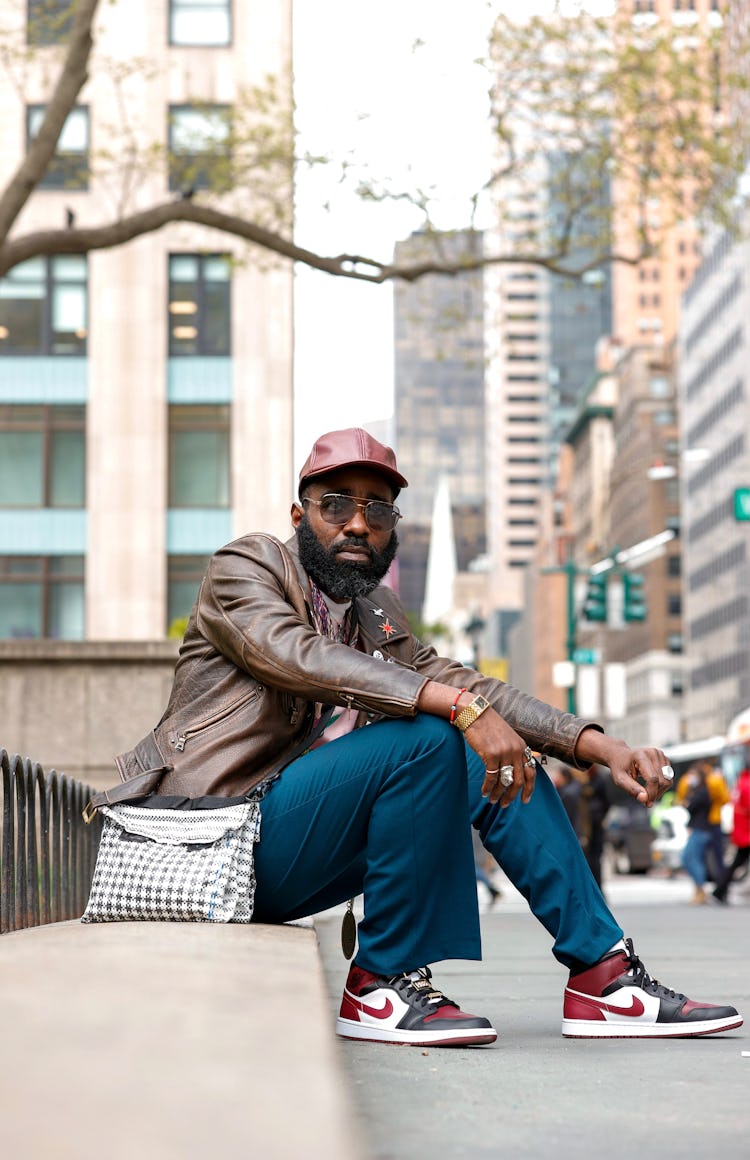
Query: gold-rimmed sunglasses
x=338, y=510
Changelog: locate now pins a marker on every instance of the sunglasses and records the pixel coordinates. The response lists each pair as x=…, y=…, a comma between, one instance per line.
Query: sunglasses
x=340, y=509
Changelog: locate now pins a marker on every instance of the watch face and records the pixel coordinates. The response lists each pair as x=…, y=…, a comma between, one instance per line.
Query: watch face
x=482, y=702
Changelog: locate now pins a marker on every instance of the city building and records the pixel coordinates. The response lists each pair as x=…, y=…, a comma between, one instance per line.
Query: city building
x=440, y=419
x=146, y=399
x=643, y=641
x=646, y=295
x=714, y=389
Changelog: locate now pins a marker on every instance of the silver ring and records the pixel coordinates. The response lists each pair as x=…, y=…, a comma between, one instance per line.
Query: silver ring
x=667, y=772
x=491, y=771
x=506, y=775
x=528, y=756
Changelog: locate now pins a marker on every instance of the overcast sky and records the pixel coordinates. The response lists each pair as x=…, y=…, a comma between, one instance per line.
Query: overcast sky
x=363, y=88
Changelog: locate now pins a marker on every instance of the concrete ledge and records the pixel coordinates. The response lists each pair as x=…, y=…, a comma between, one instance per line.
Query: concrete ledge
x=168, y=1041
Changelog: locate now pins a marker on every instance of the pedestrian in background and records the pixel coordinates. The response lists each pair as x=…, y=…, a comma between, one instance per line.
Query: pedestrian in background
x=718, y=792
x=593, y=807
x=740, y=834
x=697, y=802
x=569, y=789
x=482, y=858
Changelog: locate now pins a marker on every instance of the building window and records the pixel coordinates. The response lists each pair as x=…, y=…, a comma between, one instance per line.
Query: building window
x=184, y=575
x=674, y=642
x=659, y=387
x=48, y=21
x=69, y=166
x=42, y=596
x=42, y=456
x=44, y=307
x=199, y=304
x=674, y=605
x=200, y=22
x=199, y=465
x=198, y=147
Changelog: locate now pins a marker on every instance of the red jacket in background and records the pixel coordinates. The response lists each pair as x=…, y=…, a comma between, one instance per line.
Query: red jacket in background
x=741, y=804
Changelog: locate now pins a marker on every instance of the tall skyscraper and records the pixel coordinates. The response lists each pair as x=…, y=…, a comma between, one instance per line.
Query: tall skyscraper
x=714, y=385
x=647, y=295
x=439, y=405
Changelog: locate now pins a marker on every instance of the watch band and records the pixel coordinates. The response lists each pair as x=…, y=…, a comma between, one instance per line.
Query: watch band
x=473, y=710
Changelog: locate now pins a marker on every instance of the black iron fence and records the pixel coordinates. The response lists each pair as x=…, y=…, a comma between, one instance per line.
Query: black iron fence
x=47, y=852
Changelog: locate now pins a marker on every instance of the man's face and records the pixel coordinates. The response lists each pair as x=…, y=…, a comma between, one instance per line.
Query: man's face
x=349, y=560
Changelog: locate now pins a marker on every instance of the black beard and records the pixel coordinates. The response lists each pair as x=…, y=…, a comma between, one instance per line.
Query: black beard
x=342, y=579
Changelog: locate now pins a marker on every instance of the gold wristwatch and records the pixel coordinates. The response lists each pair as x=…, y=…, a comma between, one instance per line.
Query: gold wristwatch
x=473, y=710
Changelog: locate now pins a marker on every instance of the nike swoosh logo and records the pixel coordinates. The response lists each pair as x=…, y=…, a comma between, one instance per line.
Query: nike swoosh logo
x=636, y=1006
x=375, y=1012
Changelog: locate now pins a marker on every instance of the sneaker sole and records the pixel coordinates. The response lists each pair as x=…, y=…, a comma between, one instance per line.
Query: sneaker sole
x=594, y=1029
x=347, y=1029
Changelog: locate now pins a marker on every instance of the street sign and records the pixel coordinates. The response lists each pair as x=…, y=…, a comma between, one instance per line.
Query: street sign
x=742, y=503
x=586, y=656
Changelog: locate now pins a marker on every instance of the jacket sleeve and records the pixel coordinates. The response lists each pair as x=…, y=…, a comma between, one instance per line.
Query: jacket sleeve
x=546, y=729
x=251, y=608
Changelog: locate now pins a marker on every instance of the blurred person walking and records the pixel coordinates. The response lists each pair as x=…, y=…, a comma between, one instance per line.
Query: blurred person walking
x=740, y=834
x=569, y=789
x=718, y=792
x=482, y=858
x=593, y=808
x=697, y=801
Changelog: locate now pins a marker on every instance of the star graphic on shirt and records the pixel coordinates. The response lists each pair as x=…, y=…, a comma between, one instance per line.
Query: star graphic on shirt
x=388, y=628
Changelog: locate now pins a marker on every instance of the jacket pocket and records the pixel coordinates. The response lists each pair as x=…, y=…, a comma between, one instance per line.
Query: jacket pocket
x=179, y=738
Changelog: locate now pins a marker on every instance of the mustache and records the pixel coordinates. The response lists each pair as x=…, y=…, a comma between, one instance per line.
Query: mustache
x=352, y=542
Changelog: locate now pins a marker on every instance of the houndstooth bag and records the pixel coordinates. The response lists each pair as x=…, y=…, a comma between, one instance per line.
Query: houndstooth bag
x=184, y=865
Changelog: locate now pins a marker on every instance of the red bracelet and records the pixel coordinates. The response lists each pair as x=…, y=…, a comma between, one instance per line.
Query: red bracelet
x=454, y=707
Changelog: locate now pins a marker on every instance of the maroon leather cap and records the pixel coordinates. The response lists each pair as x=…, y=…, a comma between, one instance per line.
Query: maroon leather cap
x=351, y=447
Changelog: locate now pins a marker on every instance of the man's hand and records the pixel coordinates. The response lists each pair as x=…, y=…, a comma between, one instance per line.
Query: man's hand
x=626, y=765
x=498, y=745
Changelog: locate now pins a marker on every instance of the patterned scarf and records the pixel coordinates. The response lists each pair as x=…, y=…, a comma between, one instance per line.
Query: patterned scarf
x=324, y=622
x=342, y=633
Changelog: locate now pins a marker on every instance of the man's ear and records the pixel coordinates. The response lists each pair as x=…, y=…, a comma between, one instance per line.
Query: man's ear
x=296, y=513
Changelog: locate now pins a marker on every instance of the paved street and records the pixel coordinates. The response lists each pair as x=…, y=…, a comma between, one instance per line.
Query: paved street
x=534, y=1093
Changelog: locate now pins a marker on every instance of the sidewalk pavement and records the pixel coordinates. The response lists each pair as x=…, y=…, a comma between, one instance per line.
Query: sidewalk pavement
x=533, y=1093
x=168, y=1041
x=174, y=1041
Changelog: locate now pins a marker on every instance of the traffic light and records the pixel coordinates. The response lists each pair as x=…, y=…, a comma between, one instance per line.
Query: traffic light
x=633, y=601
x=595, y=604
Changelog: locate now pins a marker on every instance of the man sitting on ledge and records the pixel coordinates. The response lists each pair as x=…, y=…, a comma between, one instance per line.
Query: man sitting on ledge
x=415, y=749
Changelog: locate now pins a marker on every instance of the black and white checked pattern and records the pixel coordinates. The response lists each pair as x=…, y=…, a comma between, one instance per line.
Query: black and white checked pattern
x=178, y=865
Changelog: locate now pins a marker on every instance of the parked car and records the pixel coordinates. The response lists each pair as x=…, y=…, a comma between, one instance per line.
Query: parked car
x=628, y=838
x=670, y=839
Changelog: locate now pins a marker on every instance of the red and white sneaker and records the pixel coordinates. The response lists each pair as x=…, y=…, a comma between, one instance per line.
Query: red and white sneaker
x=618, y=999
x=406, y=1009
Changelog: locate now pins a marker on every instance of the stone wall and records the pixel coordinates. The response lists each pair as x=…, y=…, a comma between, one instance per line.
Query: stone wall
x=72, y=706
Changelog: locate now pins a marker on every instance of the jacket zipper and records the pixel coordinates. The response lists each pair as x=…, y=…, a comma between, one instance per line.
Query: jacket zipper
x=180, y=740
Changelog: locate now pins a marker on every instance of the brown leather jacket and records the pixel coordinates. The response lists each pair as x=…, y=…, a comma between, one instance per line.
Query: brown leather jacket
x=252, y=666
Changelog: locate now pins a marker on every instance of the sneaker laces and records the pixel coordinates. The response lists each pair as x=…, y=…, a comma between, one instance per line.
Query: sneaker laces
x=641, y=976
x=419, y=984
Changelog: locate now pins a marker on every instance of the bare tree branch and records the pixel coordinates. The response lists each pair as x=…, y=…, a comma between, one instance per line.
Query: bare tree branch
x=72, y=78
x=355, y=266
x=548, y=98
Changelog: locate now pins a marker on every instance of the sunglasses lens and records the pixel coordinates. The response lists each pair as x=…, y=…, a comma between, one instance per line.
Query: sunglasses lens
x=380, y=516
x=337, y=509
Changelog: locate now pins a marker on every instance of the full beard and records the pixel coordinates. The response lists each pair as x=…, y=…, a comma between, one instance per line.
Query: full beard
x=343, y=580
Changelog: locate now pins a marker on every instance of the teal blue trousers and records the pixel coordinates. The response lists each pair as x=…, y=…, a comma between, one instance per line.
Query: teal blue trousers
x=385, y=812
